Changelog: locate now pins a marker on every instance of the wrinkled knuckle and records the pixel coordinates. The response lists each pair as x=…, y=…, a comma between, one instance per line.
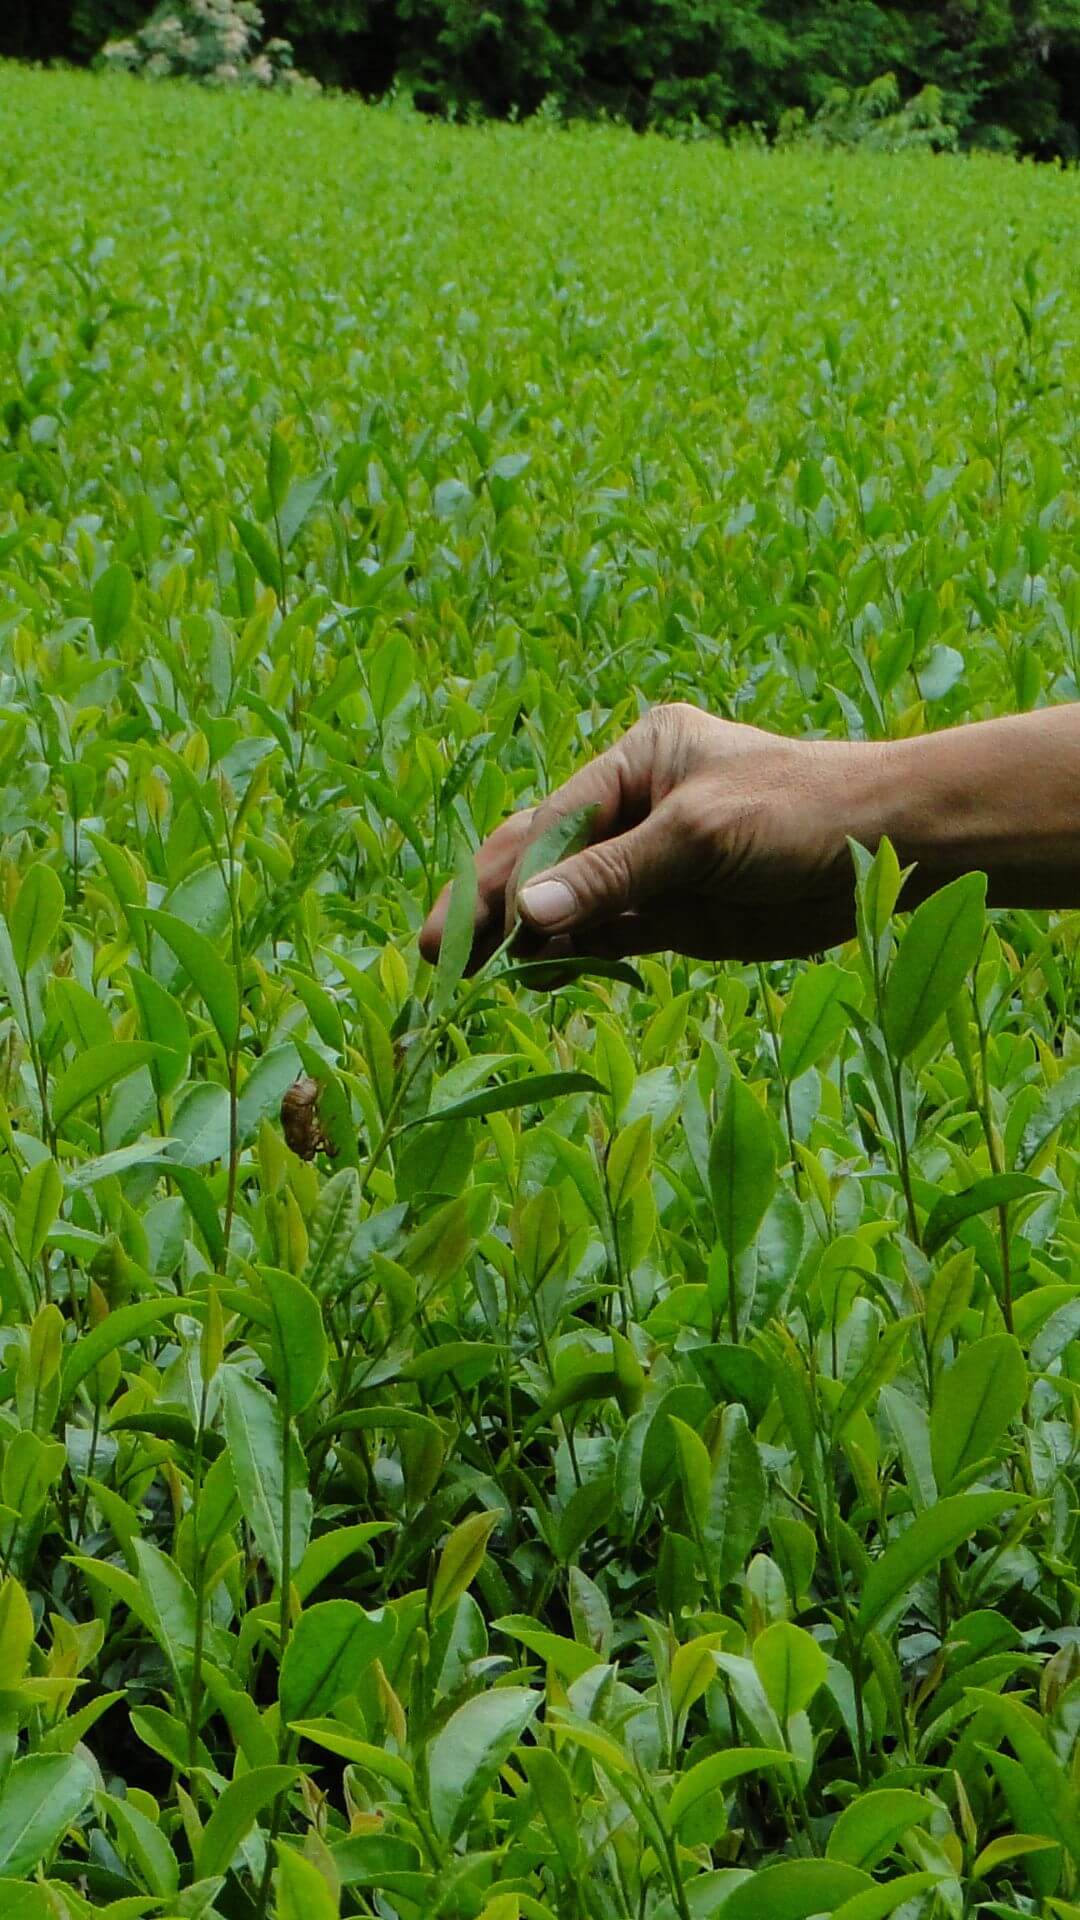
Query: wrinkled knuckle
x=511, y=830
x=607, y=873
x=543, y=817
x=689, y=819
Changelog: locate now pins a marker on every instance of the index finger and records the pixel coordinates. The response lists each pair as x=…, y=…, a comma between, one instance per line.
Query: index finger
x=495, y=861
x=617, y=786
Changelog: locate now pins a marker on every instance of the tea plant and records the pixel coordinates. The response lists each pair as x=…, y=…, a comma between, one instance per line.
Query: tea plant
x=594, y=1446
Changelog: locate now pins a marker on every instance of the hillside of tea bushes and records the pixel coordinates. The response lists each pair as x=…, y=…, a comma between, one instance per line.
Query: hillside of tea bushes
x=609, y=1453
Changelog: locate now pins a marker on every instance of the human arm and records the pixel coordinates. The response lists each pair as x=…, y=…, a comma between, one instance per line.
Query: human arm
x=720, y=840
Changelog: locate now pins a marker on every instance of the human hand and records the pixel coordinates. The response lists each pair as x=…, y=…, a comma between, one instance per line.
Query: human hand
x=709, y=838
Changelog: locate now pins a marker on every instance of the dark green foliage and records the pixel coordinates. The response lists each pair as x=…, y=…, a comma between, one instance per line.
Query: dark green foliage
x=93, y=22
x=1008, y=70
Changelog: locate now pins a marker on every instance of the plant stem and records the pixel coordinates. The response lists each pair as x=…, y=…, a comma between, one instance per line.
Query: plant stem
x=785, y=1085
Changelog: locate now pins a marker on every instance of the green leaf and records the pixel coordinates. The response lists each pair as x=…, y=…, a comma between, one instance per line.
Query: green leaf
x=718, y=1771
x=935, y=956
x=795, y=1890
x=297, y=1338
x=199, y=1201
x=117, y=1330
x=1059, y=1104
x=112, y=601
x=342, y=1741
x=143, y=1844
x=257, y=1446
x=554, y=1795
x=165, y=1023
x=166, y=1423
x=931, y=1535
x=1027, y=1810
x=877, y=1903
x=530, y=1091
x=325, y=1555
x=261, y=1094
x=40, y=1798
x=39, y=1201
x=38, y=911
x=86, y=1020
x=261, y=553
x=368, y=1860
x=105, y=1166
x=162, y=1732
x=337, y=1215
x=467, y=1753
x=1055, y=1791
x=461, y=1560
x=202, y=1130
x=390, y=675
x=976, y=1400
x=92, y=1073
x=548, y=973
x=879, y=878
x=235, y=1815
x=996, y=1190
x=568, y=1657
x=815, y=1018
x=302, y=1891
x=564, y=837
x=330, y=1649
x=169, y=1604
x=301, y=501
x=1009, y=1846
x=742, y=1168
x=791, y=1667
x=211, y=976
x=868, y=1830
x=728, y=1494
x=21, y=1900
x=947, y=1297
x=733, y=1373
x=387, y=1419
x=457, y=940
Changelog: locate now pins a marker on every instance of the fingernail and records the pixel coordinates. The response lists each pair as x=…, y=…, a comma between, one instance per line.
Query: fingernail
x=547, y=902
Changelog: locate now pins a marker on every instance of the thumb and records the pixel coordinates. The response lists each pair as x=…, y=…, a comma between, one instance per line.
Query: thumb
x=614, y=876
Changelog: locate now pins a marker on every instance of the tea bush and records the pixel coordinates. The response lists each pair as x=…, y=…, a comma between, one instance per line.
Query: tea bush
x=468, y=1450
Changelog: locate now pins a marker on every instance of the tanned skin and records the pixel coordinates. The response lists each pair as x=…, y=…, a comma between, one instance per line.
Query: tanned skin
x=722, y=841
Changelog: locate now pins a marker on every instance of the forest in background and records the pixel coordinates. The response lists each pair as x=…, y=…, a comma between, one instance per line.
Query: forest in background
x=1008, y=69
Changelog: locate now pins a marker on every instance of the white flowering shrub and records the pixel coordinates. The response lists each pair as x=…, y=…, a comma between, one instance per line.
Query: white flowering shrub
x=216, y=41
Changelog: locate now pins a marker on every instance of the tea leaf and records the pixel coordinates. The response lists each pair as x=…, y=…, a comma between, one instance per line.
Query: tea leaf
x=235, y=1815
x=40, y=1798
x=330, y=1648
x=977, y=1399
x=36, y=915
x=257, y=1447
x=937, y=952
x=931, y=1535
x=868, y=1830
x=466, y=1755
x=742, y=1168
x=212, y=979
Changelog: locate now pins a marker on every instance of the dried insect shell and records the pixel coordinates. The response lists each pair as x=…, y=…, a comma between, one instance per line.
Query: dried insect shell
x=300, y=1123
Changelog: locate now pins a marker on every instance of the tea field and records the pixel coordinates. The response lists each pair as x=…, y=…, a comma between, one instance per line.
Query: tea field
x=606, y=1451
